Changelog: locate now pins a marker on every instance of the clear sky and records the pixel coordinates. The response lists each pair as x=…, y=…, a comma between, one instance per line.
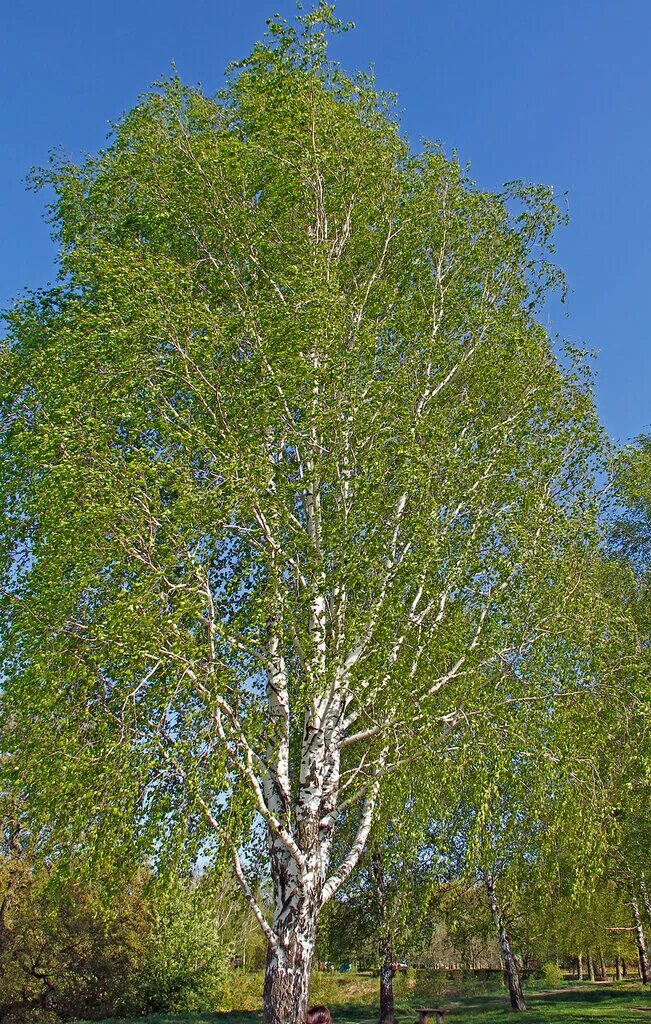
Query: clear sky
x=556, y=91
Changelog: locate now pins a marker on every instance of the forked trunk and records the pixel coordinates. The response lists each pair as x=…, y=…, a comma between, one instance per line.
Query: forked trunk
x=602, y=965
x=509, y=963
x=300, y=852
x=643, y=960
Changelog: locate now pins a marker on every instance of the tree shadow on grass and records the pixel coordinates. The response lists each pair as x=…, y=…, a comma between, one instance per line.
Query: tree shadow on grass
x=593, y=997
x=353, y=1013
x=195, y=1017
x=571, y=1006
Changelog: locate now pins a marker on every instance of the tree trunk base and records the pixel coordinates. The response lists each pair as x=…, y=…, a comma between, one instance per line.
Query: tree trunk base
x=387, y=1010
x=287, y=986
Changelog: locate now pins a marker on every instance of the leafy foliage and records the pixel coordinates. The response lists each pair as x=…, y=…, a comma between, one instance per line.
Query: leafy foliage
x=296, y=487
x=66, y=953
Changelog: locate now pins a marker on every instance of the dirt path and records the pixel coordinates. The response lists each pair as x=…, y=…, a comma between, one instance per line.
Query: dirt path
x=568, y=988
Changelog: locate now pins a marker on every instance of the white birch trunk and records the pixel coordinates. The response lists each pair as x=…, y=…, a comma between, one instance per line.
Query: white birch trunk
x=298, y=887
x=640, y=941
x=509, y=963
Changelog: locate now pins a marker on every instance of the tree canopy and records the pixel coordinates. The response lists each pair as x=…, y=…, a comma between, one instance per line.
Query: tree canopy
x=293, y=478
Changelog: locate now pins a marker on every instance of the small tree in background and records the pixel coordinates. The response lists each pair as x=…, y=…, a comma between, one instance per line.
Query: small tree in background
x=381, y=916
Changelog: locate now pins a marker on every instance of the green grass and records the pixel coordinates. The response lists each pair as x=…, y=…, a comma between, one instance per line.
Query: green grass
x=608, y=1004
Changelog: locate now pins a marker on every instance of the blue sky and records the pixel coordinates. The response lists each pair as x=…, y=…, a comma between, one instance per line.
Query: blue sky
x=557, y=92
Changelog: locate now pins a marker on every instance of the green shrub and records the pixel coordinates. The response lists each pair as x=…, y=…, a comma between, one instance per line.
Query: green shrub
x=551, y=974
x=63, y=954
x=404, y=981
x=67, y=951
x=241, y=991
x=429, y=983
x=186, y=959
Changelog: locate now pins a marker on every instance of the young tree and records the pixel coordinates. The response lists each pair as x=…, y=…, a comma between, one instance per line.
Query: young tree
x=488, y=836
x=523, y=823
x=381, y=915
x=510, y=964
x=288, y=465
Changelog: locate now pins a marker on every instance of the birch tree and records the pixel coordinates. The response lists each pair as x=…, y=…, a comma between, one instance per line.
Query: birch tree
x=289, y=470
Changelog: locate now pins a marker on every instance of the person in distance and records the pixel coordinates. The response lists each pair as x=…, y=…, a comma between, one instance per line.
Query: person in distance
x=319, y=1015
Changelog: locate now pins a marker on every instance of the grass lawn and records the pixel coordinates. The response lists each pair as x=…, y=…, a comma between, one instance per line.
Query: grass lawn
x=612, y=1004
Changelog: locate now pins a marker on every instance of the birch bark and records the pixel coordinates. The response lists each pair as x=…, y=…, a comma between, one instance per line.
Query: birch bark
x=640, y=942
x=509, y=962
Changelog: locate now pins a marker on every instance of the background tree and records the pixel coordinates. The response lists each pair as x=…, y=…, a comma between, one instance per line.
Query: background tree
x=628, y=761
x=529, y=806
x=289, y=470
x=381, y=916
x=72, y=950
